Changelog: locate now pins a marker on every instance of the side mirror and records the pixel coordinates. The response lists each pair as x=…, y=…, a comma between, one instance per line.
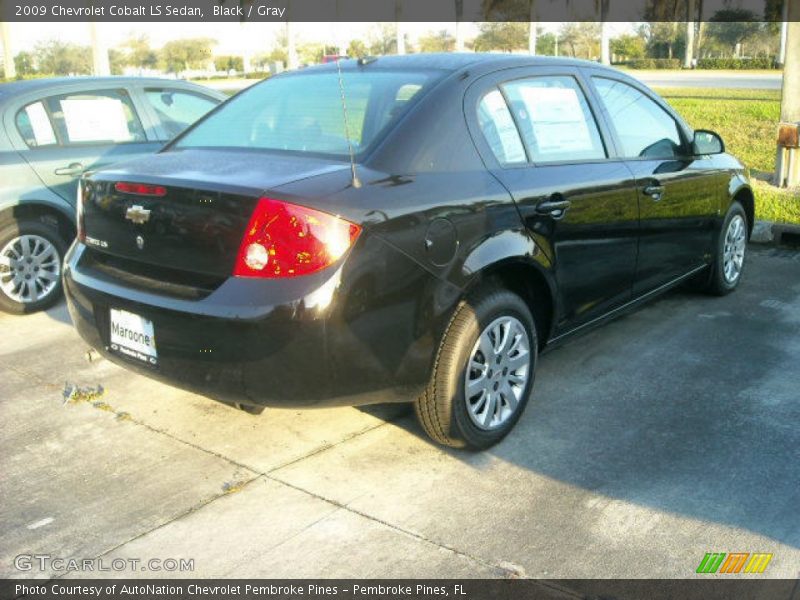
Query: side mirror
x=707, y=142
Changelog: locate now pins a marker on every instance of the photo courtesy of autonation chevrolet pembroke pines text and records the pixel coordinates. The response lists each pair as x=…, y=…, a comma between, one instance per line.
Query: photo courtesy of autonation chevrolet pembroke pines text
x=400, y=299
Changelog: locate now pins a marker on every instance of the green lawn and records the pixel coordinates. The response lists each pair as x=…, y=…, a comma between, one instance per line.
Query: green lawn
x=747, y=120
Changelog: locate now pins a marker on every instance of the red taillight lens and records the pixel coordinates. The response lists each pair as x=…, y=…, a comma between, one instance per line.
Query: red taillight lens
x=140, y=189
x=286, y=240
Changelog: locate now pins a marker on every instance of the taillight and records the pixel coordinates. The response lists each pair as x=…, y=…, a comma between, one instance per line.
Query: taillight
x=140, y=189
x=286, y=240
x=79, y=213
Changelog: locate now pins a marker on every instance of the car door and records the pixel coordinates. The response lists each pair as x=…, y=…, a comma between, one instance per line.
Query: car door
x=66, y=134
x=679, y=194
x=174, y=108
x=543, y=142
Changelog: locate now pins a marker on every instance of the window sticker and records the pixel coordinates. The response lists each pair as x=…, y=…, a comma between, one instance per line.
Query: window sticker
x=40, y=123
x=559, y=123
x=95, y=119
x=507, y=132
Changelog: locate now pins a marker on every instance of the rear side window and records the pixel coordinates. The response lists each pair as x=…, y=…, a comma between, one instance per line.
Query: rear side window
x=499, y=130
x=96, y=117
x=177, y=109
x=33, y=124
x=303, y=112
x=645, y=129
x=554, y=119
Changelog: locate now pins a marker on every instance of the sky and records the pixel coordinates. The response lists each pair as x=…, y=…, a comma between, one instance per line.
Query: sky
x=229, y=36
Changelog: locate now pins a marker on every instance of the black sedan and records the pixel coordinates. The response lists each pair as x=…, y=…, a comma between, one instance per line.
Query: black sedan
x=412, y=228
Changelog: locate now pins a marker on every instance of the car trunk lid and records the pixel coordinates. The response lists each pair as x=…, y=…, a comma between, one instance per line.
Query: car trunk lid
x=184, y=211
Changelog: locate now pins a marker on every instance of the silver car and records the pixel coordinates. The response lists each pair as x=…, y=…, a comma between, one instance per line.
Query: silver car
x=51, y=131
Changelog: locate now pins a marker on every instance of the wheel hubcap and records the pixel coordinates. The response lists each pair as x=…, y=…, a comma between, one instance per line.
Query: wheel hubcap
x=29, y=268
x=497, y=373
x=733, y=253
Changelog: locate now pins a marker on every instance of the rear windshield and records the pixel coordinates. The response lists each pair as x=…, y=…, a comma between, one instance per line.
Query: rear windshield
x=304, y=113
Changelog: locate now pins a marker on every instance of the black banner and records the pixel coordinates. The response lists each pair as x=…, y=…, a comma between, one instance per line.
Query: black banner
x=714, y=588
x=397, y=10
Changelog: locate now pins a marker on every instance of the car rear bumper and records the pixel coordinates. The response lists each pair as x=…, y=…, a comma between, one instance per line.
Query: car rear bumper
x=259, y=343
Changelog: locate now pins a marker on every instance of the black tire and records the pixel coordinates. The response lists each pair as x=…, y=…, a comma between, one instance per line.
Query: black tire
x=718, y=284
x=442, y=408
x=250, y=409
x=15, y=229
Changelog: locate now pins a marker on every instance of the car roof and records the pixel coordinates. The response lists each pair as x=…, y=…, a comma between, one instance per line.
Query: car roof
x=15, y=88
x=453, y=61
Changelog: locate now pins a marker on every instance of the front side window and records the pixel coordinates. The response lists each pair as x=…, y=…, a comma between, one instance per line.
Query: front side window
x=176, y=109
x=499, y=129
x=33, y=124
x=106, y=117
x=644, y=128
x=304, y=112
x=555, y=119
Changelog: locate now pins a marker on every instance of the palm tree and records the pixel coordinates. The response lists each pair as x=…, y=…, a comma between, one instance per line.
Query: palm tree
x=689, y=53
x=605, y=33
x=401, y=39
x=291, y=49
x=459, y=25
x=8, y=54
x=100, y=62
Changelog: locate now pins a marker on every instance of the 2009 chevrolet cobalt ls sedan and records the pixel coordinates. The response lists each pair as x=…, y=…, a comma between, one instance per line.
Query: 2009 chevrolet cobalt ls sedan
x=493, y=205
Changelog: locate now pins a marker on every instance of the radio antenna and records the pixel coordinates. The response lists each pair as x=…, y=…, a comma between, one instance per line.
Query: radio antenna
x=356, y=181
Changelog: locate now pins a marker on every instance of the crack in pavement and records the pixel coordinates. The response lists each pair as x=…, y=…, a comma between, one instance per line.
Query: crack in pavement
x=401, y=530
x=267, y=475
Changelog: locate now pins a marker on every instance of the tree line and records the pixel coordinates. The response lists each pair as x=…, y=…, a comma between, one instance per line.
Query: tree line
x=649, y=40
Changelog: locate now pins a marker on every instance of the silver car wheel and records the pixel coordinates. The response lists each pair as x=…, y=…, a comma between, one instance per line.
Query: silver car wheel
x=30, y=267
x=733, y=252
x=497, y=374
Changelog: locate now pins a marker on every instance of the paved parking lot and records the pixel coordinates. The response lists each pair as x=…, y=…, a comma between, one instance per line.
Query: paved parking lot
x=664, y=435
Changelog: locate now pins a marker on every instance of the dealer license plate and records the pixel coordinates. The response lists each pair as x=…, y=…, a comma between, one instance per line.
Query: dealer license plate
x=133, y=336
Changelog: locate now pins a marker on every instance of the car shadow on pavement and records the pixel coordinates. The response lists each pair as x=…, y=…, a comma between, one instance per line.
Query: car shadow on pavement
x=59, y=313
x=689, y=405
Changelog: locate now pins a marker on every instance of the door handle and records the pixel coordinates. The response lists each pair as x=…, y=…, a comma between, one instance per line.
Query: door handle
x=556, y=209
x=75, y=168
x=654, y=190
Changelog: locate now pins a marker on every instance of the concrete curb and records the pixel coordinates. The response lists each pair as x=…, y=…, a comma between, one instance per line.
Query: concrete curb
x=767, y=232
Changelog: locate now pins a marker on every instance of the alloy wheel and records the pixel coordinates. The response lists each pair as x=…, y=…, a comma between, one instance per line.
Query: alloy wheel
x=733, y=251
x=30, y=267
x=497, y=373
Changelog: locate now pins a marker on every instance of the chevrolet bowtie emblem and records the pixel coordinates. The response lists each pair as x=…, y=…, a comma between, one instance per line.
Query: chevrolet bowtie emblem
x=137, y=214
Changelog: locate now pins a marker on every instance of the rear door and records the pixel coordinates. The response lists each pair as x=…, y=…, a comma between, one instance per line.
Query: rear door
x=541, y=139
x=679, y=194
x=64, y=135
